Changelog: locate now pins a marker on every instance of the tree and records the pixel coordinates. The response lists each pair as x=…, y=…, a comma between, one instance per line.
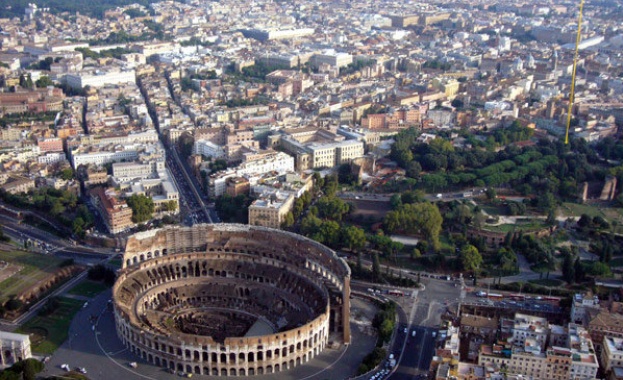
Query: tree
x=67, y=174
x=353, y=237
x=470, y=258
x=507, y=260
x=395, y=201
x=44, y=81
x=25, y=81
x=376, y=267
x=345, y=175
x=142, y=207
x=332, y=208
x=599, y=269
x=491, y=193
x=13, y=304
x=423, y=219
x=77, y=226
x=568, y=269
x=359, y=262
x=457, y=103
x=413, y=169
x=170, y=206
x=579, y=271
x=288, y=220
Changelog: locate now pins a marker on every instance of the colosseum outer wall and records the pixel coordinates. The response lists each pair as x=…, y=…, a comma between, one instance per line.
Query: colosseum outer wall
x=235, y=356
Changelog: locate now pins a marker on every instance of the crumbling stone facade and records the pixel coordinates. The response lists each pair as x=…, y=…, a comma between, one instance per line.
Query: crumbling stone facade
x=187, y=297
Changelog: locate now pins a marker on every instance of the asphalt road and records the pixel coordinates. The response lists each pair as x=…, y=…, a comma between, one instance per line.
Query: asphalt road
x=93, y=344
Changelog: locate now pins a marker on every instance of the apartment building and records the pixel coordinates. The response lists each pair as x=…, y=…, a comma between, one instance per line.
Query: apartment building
x=50, y=144
x=127, y=171
x=17, y=185
x=612, y=354
x=581, y=303
x=270, y=209
x=271, y=162
x=526, y=354
x=99, y=78
x=116, y=213
x=333, y=154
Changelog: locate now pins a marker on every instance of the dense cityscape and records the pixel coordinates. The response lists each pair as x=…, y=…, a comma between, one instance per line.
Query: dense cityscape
x=311, y=190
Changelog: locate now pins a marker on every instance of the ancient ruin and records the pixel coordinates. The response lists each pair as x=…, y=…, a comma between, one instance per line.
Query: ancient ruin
x=230, y=300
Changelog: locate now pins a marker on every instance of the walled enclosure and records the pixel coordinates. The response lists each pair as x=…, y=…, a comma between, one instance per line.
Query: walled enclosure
x=192, y=298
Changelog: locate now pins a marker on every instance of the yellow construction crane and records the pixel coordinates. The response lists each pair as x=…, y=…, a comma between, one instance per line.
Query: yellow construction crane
x=578, y=37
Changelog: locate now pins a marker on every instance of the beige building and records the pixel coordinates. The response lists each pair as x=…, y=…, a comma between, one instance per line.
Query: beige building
x=16, y=185
x=612, y=353
x=576, y=360
x=270, y=211
x=116, y=213
x=333, y=154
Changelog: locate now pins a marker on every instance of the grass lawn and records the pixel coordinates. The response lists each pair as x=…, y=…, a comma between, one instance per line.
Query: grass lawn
x=547, y=282
x=88, y=289
x=49, y=332
x=34, y=268
x=532, y=225
x=494, y=210
x=575, y=209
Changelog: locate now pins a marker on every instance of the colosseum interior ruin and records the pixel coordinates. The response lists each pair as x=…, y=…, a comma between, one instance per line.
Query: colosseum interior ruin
x=230, y=300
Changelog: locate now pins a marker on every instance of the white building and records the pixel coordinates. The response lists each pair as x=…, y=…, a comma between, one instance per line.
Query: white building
x=102, y=157
x=208, y=149
x=14, y=347
x=99, y=78
x=332, y=58
x=51, y=158
x=612, y=353
x=127, y=171
x=581, y=304
x=276, y=163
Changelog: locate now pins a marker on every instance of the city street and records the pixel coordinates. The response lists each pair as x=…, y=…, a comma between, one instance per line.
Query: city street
x=93, y=344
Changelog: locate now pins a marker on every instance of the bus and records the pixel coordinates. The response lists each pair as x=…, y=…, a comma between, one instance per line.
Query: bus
x=495, y=296
x=517, y=297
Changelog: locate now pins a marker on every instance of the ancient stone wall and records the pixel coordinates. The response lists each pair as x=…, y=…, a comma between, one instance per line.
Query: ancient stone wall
x=186, y=296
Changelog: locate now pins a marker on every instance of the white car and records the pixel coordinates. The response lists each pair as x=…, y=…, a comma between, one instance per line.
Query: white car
x=65, y=367
x=81, y=370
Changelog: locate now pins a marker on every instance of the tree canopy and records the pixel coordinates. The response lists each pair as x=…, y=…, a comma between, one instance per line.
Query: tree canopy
x=423, y=219
x=142, y=207
x=471, y=260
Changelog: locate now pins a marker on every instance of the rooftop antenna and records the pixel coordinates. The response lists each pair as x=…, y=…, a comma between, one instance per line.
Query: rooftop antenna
x=578, y=37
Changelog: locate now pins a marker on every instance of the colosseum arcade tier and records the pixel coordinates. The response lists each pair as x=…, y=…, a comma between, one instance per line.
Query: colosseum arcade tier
x=229, y=299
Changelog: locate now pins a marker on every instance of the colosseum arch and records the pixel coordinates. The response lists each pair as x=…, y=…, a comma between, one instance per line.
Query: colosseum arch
x=187, y=298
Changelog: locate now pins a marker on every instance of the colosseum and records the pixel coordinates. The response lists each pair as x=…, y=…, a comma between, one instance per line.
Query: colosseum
x=229, y=299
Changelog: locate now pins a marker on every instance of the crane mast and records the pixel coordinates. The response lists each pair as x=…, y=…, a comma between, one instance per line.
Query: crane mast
x=578, y=37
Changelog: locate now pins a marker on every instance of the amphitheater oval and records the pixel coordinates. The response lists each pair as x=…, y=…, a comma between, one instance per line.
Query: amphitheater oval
x=229, y=299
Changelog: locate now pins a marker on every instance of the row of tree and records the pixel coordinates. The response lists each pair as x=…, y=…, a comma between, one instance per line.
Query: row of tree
x=548, y=167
